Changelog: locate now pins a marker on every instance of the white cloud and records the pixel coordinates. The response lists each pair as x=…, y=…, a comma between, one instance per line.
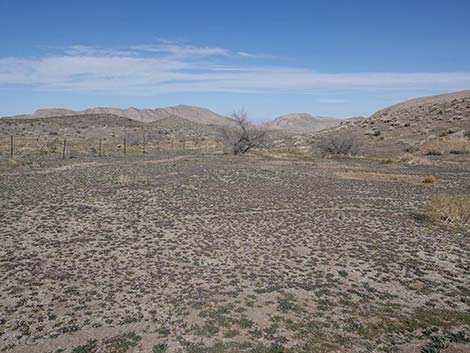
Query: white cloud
x=172, y=67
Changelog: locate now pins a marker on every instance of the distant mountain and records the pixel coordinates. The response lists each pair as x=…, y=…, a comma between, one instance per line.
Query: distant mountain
x=300, y=123
x=195, y=114
x=47, y=113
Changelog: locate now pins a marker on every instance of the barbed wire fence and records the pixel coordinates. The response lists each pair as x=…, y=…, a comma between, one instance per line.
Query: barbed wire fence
x=17, y=147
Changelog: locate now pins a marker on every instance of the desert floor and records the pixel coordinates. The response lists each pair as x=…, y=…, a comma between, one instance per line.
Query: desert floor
x=194, y=253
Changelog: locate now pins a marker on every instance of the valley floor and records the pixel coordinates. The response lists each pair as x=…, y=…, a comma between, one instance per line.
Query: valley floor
x=194, y=253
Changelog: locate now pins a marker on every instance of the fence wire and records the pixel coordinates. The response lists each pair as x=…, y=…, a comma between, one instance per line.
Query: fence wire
x=63, y=147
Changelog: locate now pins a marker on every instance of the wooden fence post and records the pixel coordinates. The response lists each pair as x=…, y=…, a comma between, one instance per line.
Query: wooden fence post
x=64, y=148
x=125, y=146
x=99, y=149
x=12, y=149
x=143, y=144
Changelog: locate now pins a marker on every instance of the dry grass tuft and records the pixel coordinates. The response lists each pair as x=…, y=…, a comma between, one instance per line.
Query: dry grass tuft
x=449, y=209
x=446, y=145
x=128, y=180
x=399, y=178
x=411, y=159
x=430, y=179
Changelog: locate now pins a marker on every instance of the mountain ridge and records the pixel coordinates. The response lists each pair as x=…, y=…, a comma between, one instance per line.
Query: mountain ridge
x=195, y=114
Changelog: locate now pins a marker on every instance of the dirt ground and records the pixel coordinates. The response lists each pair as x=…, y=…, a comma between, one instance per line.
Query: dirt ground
x=195, y=253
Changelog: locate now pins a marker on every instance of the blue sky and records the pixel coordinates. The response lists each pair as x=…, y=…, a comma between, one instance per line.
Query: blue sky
x=337, y=58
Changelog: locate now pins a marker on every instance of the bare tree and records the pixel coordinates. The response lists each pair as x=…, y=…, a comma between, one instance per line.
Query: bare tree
x=244, y=136
x=341, y=143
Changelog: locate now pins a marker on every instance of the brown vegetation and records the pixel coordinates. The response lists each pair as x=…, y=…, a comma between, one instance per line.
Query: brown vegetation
x=449, y=209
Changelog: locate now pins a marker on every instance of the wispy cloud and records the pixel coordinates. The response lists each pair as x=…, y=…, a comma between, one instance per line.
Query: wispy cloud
x=94, y=51
x=181, y=50
x=174, y=67
x=333, y=101
x=247, y=55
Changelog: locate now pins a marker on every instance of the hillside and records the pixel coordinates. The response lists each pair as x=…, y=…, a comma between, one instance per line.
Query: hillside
x=429, y=125
x=84, y=131
x=300, y=123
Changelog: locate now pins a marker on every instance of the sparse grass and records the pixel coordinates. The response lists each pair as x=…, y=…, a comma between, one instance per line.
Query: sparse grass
x=436, y=345
x=122, y=343
x=401, y=178
x=89, y=347
x=410, y=159
x=448, y=209
x=128, y=180
x=286, y=303
x=231, y=333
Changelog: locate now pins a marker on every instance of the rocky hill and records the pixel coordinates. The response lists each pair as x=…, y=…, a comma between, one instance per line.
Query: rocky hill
x=430, y=125
x=301, y=123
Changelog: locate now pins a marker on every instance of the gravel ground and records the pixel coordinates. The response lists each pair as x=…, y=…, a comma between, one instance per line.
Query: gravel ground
x=175, y=253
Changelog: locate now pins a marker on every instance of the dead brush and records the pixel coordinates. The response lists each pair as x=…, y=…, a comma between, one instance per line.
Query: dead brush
x=453, y=210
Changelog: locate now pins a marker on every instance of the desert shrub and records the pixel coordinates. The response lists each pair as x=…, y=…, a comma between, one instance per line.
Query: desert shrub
x=458, y=151
x=89, y=347
x=411, y=149
x=160, y=348
x=449, y=209
x=434, y=152
x=341, y=143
